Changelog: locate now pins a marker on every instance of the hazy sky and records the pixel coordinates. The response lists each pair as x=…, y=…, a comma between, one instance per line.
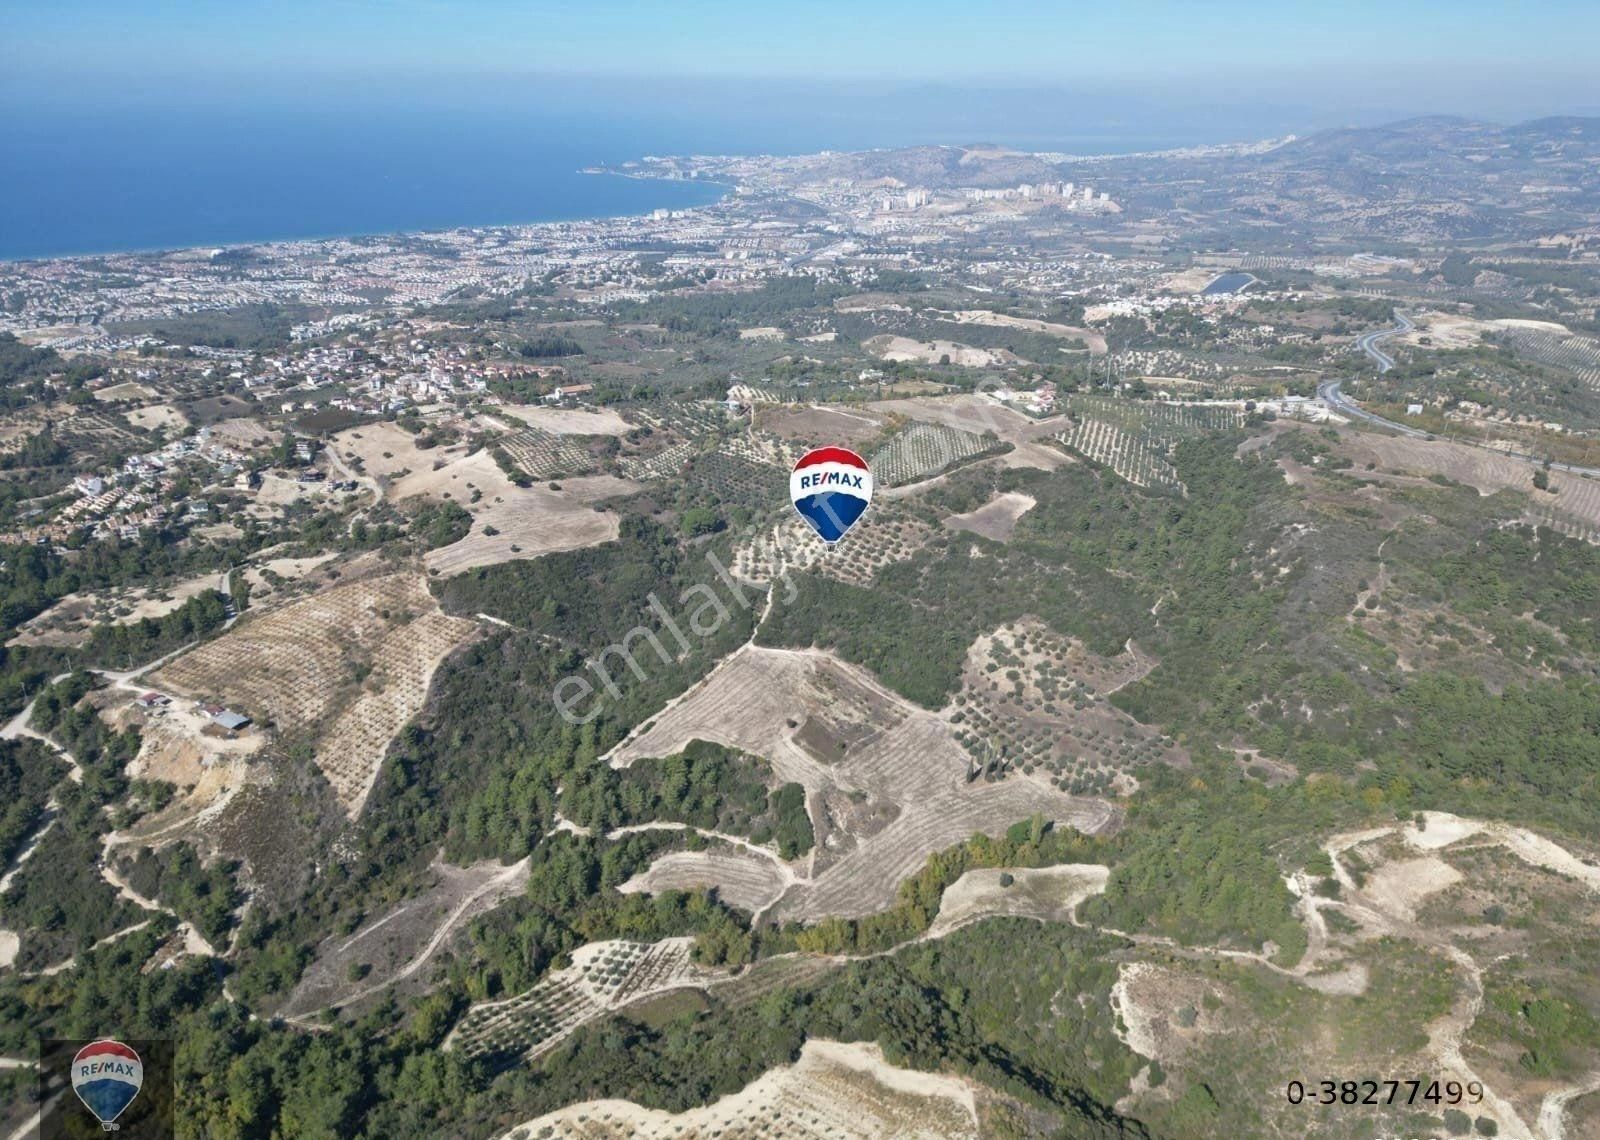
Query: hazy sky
x=1338, y=61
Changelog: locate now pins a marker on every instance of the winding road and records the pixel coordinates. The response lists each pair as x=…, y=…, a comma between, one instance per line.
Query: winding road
x=1328, y=391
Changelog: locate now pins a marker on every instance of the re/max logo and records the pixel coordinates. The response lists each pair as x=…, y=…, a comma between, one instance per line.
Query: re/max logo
x=839, y=478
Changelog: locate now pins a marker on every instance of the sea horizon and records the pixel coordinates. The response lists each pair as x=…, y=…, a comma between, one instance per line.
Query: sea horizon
x=151, y=180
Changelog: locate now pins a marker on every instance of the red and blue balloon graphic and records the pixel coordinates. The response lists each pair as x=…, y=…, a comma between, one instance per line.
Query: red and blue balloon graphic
x=107, y=1075
x=830, y=487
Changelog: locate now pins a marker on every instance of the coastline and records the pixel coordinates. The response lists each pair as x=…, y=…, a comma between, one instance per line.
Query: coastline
x=405, y=232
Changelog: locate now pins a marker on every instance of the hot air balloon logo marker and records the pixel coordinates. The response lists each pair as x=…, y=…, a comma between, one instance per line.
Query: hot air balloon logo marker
x=830, y=487
x=107, y=1075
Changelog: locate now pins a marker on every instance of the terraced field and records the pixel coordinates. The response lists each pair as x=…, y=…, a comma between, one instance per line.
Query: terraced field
x=742, y=879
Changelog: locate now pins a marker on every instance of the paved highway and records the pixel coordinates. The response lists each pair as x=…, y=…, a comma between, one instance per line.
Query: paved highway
x=1329, y=393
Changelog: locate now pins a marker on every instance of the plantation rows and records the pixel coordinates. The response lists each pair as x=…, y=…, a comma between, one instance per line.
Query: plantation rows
x=603, y=976
x=289, y=664
x=692, y=419
x=547, y=456
x=663, y=464
x=884, y=536
x=734, y=479
x=759, y=447
x=750, y=394
x=1134, y=457
x=1579, y=355
x=1034, y=699
x=353, y=749
x=1562, y=523
x=1160, y=362
x=1163, y=421
x=924, y=450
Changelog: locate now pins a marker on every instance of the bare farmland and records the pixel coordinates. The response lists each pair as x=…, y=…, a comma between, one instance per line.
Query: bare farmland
x=937, y=351
x=997, y=518
x=524, y=522
x=833, y=1092
x=1488, y=471
x=741, y=878
x=1049, y=894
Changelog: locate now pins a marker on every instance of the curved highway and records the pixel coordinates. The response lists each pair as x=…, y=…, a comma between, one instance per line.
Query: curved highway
x=1328, y=392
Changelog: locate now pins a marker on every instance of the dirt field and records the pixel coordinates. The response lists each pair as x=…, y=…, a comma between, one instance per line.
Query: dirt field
x=834, y=1092
x=159, y=417
x=350, y=663
x=1049, y=894
x=1095, y=341
x=969, y=413
x=742, y=879
x=180, y=745
x=933, y=351
x=127, y=390
x=276, y=575
x=816, y=427
x=997, y=518
x=243, y=433
x=388, y=453
x=1450, y=330
x=575, y=421
x=527, y=521
x=886, y=782
x=531, y=521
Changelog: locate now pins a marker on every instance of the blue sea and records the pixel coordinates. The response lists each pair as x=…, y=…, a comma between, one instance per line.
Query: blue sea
x=154, y=173
x=83, y=184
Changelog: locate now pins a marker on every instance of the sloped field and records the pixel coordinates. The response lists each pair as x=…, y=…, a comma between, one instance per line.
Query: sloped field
x=887, y=783
x=351, y=663
x=834, y=1092
x=603, y=976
